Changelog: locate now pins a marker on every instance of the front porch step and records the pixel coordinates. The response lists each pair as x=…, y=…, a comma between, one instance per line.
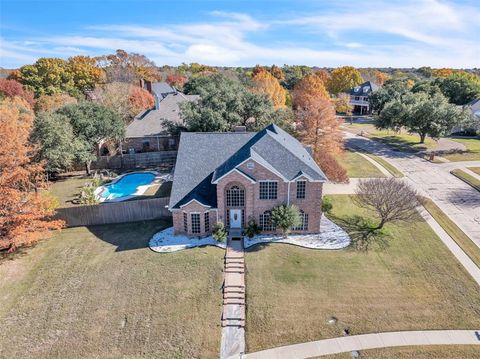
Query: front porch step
x=233, y=302
x=234, y=290
x=238, y=271
x=236, y=296
x=228, y=323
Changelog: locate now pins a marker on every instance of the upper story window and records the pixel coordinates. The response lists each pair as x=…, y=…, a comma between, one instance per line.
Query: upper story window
x=357, y=98
x=268, y=190
x=301, y=186
x=235, y=197
x=195, y=222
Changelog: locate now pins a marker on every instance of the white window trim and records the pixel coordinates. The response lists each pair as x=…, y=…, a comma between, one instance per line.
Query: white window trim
x=194, y=200
x=234, y=170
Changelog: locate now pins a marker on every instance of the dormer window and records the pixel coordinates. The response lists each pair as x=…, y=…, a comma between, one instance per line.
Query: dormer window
x=356, y=88
x=365, y=89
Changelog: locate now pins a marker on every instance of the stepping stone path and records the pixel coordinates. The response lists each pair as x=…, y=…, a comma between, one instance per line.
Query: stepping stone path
x=233, y=316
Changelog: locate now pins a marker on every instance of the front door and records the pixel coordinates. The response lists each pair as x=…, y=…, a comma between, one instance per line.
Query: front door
x=235, y=218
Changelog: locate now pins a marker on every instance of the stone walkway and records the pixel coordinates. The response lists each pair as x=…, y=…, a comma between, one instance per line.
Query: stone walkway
x=233, y=316
x=368, y=341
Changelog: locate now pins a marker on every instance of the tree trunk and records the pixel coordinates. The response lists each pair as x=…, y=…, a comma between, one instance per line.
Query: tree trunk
x=87, y=167
x=422, y=137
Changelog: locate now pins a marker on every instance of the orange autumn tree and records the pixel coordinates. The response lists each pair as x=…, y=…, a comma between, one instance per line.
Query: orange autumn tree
x=309, y=88
x=265, y=82
x=319, y=128
x=25, y=215
x=323, y=75
x=381, y=77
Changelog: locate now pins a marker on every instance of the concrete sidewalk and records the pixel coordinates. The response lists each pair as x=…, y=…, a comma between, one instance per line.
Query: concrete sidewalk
x=369, y=341
x=457, y=199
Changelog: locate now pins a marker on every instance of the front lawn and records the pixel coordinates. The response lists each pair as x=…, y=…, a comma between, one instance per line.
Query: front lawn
x=100, y=292
x=414, y=284
x=473, y=150
x=417, y=352
x=357, y=166
x=402, y=141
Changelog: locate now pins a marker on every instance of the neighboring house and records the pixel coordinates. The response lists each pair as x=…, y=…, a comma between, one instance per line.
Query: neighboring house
x=147, y=131
x=237, y=176
x=359, y=97
x=474, y=106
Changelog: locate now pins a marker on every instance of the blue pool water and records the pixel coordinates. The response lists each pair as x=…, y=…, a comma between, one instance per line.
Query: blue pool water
x=127, y=185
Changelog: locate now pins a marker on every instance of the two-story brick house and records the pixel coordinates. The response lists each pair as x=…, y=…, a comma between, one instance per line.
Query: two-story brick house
x=237, y=176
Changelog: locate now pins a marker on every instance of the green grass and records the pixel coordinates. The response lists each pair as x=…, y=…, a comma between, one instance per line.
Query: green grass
x=413, y=284
x=475, y=169
x=100, y=292
x=470, y=248
x=416, y=352
x=401, y=141
x=473, y=150
x=467, y=178
x=67, y=190
x=387, y=165
x=357, y=166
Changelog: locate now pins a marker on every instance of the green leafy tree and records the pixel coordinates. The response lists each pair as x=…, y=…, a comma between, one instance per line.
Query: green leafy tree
x=423, y=114
x=286, y=217
x=393, y=89
x=460, y=88
x=223, y=104
x=92, y=124
x=57, y=144
x=293, y=74
x=50, y=76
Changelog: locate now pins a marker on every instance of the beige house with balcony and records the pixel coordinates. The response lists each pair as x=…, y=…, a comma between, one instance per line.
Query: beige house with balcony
x=359, y=97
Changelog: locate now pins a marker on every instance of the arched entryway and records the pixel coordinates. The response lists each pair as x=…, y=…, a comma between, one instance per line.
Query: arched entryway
x=235, y=205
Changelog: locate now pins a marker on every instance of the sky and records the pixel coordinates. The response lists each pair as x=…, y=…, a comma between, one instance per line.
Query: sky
x=324, y=33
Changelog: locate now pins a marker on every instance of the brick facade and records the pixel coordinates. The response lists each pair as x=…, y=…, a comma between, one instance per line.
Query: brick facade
x=254, y=206
x=193, y=207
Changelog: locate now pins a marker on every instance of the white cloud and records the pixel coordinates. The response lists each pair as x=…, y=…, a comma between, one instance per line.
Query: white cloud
x=427, y=32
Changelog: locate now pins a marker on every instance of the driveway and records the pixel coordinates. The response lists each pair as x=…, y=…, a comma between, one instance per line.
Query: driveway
x=457, y=199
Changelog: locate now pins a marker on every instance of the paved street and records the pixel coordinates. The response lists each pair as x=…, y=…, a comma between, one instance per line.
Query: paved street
x=456, y=198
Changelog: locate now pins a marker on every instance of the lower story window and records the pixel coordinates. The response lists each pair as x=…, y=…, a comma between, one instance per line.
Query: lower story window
x=207, y=221
x=195, y=222
x=304, y=222
x=185, y=222
x=266, y=221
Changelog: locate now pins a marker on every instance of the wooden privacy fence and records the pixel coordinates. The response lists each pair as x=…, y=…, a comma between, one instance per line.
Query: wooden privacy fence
x=135, y=160
x=115, y=212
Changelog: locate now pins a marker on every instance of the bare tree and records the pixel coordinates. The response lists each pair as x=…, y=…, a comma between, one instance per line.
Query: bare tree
x=392, y=199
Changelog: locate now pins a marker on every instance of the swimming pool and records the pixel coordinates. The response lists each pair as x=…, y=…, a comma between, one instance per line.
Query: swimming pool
x=126, y=186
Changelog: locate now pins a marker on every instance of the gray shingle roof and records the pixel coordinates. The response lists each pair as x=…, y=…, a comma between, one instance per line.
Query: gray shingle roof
x=199, y=154
x=364, y=89
x=150, y=122
x=203, y=158
x=162, y=88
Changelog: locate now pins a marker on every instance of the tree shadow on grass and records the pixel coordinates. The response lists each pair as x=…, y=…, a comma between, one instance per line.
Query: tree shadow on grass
x=129, y=236
x=362, y=232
